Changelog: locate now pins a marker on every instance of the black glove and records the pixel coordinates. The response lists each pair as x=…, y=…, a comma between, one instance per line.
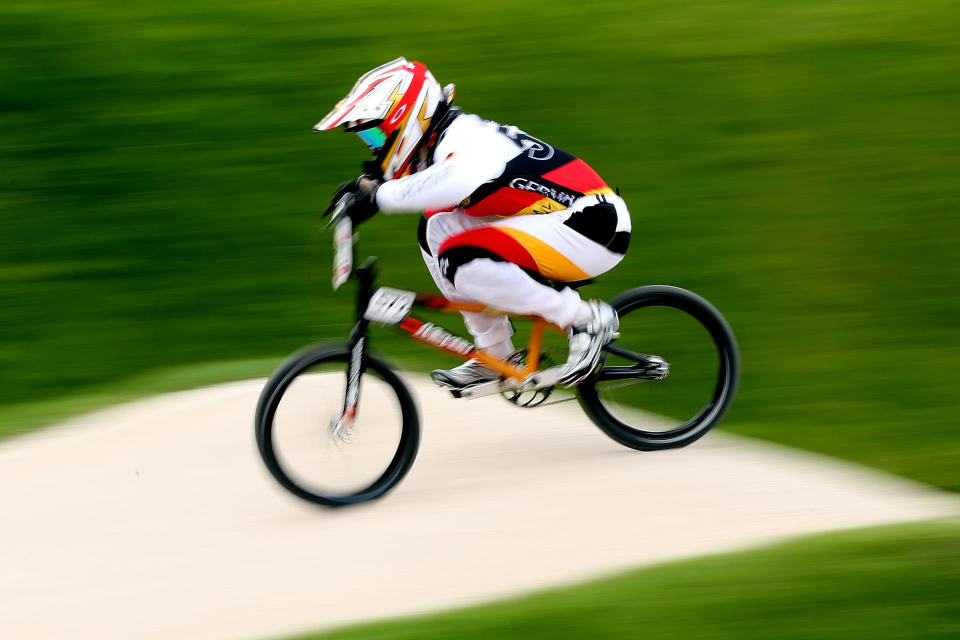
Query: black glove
x=349, y=186
x=362, y=207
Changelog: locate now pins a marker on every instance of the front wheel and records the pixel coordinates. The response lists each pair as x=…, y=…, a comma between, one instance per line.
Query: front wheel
x=670, y=376
x=307, y=447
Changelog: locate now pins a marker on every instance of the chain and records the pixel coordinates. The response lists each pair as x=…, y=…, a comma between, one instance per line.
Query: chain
x=621, y=385
x=547, y=404
x=610, y=388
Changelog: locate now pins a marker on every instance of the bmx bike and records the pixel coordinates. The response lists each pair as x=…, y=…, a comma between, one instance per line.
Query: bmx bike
x=319, y=445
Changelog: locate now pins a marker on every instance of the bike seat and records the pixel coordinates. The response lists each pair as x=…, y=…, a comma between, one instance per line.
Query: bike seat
x=576, y=284
x=559, y=285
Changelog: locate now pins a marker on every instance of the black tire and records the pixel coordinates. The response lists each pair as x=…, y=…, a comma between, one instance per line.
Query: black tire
x=390, y=388
x=708, y=399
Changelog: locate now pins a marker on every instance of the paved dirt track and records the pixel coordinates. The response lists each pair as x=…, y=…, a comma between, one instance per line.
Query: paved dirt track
x=157, y=519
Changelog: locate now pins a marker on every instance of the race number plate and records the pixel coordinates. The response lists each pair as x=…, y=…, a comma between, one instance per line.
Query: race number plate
x=389, y=306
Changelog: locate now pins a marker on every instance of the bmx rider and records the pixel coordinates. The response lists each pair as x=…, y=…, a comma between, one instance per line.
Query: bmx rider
x=502, y=212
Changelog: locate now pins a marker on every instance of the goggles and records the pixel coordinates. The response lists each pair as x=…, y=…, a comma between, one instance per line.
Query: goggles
x=374, y=137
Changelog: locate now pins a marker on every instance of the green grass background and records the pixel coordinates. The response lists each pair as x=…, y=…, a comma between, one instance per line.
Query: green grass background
x=880, y=583
x=796, y=163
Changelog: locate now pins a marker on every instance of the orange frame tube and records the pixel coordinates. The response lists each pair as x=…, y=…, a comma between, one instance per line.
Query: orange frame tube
x=441, y=339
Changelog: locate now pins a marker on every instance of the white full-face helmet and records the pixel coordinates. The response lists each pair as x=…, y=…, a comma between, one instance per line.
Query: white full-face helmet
x=390, y=108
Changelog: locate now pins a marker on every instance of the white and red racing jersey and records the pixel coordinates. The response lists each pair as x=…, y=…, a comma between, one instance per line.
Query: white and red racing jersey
x=487, y=169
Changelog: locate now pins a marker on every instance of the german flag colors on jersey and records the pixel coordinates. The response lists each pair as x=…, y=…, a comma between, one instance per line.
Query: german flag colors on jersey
x=541, y=179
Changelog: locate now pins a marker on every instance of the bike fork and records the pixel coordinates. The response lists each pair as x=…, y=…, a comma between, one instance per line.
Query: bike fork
x=342, y=426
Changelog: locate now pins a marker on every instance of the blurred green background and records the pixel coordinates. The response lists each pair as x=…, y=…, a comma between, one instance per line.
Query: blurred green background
x=795, y=163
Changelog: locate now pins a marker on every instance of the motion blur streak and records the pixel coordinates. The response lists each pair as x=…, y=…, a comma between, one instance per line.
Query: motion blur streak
x=793, y=162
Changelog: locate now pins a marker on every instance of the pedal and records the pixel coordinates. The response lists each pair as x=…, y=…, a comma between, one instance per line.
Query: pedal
x=479, y=390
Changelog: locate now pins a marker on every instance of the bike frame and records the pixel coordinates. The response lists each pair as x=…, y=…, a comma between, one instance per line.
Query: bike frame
x=395, y=310
x=437, y=337
x=388, y=306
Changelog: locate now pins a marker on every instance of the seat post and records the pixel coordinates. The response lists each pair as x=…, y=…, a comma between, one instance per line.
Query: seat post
x=535, y=344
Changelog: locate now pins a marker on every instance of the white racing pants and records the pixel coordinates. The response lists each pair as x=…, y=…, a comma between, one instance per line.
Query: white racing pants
x=490, y=260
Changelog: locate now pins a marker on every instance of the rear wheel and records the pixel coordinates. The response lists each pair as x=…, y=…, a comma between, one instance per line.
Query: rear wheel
x=670, y=376
x=296, y=422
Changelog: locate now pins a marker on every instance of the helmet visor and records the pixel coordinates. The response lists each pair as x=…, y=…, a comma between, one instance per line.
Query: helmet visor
x=373, y=137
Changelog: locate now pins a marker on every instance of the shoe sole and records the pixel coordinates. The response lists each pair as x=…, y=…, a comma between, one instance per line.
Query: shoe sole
x=450, y=384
